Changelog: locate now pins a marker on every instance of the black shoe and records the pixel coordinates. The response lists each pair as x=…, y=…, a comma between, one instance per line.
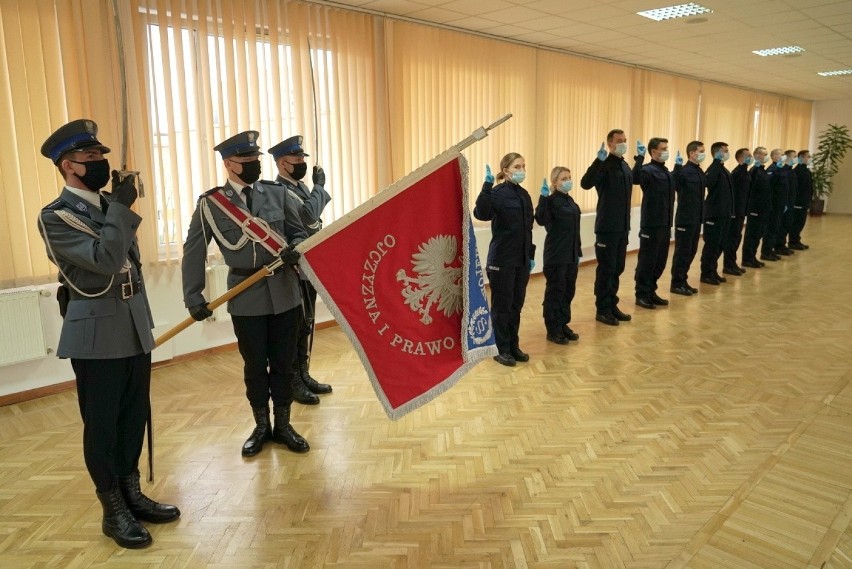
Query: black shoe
x=803, y=246
x=711, y=280
x=284, y=433
x=620, y=316
x=312, y=384
x=119, y=523
x=607, y=319
x=557, y=338
x=569, y=333
x=261, y=433
x=505, y=359
x=692, y=288
x=731, y=271
x=783, y=251
x=797, y=246
x=720, y=278
x=659, y=301
x=761, y=264
x=740, y=269
x=769, y=257
x=645, y=303
x=141, y=506
x=519, y=355
x=753, y=264
x=301, y=393
x=681, y=290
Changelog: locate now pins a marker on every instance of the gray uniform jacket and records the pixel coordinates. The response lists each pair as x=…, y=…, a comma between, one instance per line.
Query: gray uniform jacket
x=272, y=295
x=309, y=203
x=107, y=326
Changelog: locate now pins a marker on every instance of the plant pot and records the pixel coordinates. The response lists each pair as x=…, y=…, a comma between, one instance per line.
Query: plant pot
x=817, y=206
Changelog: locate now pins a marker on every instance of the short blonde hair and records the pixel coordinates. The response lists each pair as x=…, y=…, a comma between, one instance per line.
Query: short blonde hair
x=555, y=173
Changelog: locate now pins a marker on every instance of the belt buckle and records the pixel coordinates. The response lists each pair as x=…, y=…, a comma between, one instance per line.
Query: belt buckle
x=126, y=292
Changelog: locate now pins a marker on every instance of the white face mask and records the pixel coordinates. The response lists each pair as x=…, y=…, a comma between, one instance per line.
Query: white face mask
x=620, y=149
x=566, y=186
x=664, y=155
x=701, y=156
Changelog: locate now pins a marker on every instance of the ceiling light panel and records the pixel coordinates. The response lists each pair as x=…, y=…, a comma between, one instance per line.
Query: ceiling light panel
x=787, y=50
x=672, y=12
x=835, y=73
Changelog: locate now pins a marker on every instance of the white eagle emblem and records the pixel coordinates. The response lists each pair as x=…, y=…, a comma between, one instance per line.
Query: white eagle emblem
x=437, y=265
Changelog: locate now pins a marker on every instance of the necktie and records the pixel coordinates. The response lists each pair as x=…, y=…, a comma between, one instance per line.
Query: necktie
x=247, y=192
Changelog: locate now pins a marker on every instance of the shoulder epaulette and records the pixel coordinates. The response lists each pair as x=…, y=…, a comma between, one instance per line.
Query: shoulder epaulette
x=271, y=183
x=210, y=191
x=53, y=205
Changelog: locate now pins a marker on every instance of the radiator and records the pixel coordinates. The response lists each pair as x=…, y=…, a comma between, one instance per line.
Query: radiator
x=21, y=331
x=217, y=285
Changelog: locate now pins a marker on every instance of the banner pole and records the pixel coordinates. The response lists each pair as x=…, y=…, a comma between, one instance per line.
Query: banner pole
x=261, y=273
x=481, y=133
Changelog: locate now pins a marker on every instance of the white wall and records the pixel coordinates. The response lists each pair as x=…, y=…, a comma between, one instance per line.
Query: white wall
x=835, y=112
x=166, y=298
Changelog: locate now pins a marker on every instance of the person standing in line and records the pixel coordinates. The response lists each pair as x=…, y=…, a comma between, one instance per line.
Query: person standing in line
x=559, y=214
x=718, y=209
x=107, y=323
x=655, y=225
x=778, y=186
x=788, y=216
x=804, y=195
x=511, y=252
x=758, y=208
x=689, y=185
x=742, y=184
x=289, y=157
x=610, y=175
x=266, y=316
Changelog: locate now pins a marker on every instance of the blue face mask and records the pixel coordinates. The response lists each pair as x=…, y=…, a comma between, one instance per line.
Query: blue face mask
x=780, y=162
x=566, y=186
x=519, y=177
x=748, y=160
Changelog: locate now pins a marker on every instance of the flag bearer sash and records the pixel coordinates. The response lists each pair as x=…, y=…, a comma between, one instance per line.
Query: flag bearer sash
x=402, y=277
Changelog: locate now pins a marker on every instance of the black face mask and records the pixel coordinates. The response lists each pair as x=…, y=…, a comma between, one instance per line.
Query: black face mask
x=97, y=174
x=299, y=170
x=250, y=173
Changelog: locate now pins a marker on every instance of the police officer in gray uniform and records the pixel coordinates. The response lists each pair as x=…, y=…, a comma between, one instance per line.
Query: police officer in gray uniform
x=107, y=324
x=289, y=156
x=266, y=317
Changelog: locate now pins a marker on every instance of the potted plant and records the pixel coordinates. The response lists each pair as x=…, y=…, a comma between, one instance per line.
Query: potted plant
x=834, y=142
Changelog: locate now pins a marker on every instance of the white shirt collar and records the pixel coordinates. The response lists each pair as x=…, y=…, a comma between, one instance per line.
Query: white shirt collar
x=94, y=198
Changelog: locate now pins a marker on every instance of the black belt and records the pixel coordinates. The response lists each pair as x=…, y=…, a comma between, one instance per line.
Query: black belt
x=124, y=291
x=249, y=272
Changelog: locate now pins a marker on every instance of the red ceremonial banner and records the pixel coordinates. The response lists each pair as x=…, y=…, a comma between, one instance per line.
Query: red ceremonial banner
x=394, y=274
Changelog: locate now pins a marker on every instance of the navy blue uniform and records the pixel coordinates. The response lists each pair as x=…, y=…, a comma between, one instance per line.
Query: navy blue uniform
x=559, y=214
x=613, y=181
x=689, y=184
x=804, y=195
x=788, y=216
x=509, y=209
x=742, y=186
x=779, y=184
x=718, y=210
x=658, y=196
x=759, y=208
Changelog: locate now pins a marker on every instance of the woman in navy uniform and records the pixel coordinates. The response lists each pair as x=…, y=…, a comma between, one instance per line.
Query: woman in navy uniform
x=107, y=324
x=509, y=208
x=559, y=214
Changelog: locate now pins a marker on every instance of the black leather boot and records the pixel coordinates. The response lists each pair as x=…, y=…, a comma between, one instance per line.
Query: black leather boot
x=261, y=433
x=284, y=433
x=301, y=393
x=312, y=384
x=119, y=523
x=141, y=506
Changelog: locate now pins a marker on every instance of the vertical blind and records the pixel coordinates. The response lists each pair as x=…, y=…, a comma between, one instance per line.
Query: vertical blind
x=387, y=96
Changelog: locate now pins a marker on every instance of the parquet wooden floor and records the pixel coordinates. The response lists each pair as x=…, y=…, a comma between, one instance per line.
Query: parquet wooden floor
x=714, y=433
